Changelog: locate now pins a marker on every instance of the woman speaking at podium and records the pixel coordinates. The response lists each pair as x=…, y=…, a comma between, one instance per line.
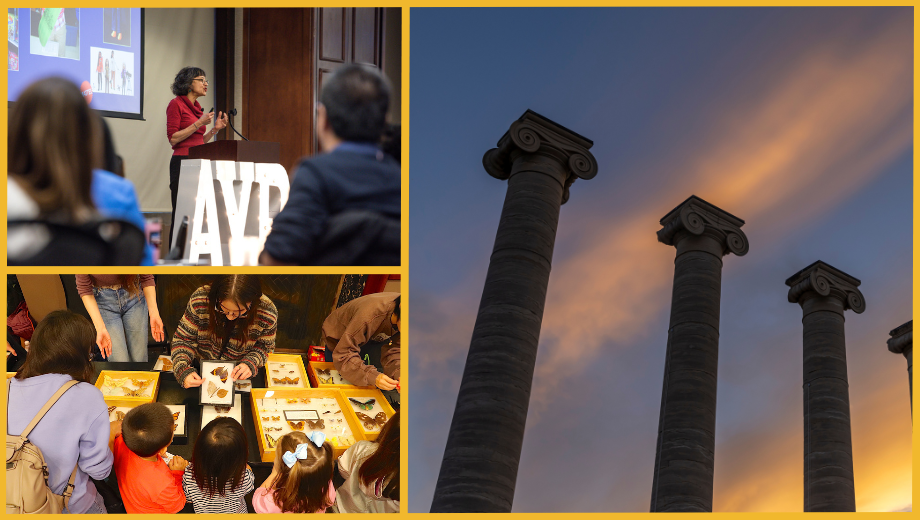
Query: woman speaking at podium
x=185, y=125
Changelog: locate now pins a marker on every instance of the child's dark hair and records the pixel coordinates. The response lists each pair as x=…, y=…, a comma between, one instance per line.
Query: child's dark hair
x=304, y=487
x=384, y=462
x=219, y=457
x=147, y=429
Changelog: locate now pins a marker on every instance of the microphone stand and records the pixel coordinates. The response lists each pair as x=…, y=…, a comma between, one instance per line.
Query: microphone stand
x=230, y=122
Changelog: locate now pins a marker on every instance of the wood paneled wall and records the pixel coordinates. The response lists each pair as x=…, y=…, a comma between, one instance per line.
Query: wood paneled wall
x=286, y=55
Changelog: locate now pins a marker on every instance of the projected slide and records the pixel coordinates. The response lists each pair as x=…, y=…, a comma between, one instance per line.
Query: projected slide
x=100, y=50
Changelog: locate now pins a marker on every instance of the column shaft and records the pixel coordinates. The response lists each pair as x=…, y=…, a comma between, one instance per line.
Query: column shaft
x=828, y=446
x=686, y=438
x=480, y=465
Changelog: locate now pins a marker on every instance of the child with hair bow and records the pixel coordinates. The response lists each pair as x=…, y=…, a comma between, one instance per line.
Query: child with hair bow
x=301, y=480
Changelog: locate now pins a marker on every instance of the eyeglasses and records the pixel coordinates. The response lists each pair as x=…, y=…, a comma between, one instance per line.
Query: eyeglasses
x=201, y=80
x=240, y=313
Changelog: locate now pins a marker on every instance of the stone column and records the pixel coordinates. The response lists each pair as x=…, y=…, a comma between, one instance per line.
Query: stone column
x=702, y=234
x=540, y=159
x=902, y=342
x=824, y=293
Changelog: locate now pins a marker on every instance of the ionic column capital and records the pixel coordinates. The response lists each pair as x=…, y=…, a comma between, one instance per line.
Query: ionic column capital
x=902, y=338
x=533, y=134
x=821, y=279
x=696, y=217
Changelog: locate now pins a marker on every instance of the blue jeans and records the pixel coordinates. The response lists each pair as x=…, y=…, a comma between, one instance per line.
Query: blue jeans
x=127, y=321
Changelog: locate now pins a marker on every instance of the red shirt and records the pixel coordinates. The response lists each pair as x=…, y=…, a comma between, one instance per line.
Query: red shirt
x=147, y=486
x=181, y=114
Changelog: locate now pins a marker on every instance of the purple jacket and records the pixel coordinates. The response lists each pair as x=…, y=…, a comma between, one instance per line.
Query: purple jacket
x=78, y=424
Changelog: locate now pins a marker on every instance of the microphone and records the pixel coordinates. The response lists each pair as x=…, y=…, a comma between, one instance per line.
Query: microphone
x=230, y=121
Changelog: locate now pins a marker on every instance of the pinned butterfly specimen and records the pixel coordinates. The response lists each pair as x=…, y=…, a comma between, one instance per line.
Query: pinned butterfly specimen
x=296, y=425
x=114, y=383
x=222, y=393
x=222, y=373
x=270, y=440
x=176, y=416
x=316, y=425
x=305, y=400
x=326, y=381
x=364, y=405
x=371, y=423
x=134, y=393
x=290, y=372
x=275, y=371
x=292, y=400
x=167, y=364
x=272, y=429
x=141, y=383
x=327, y=372
x=112, y=409
x=221, y=409
x=266, y=418
x=212, y=388
x=276, y=417
x=175, y=425
x=119, y=415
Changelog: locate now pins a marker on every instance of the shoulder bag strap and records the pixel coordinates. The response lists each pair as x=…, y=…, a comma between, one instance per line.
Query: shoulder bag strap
x=48, y=405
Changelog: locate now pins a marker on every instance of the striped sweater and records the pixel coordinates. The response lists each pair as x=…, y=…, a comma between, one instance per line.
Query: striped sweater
x=192, y=339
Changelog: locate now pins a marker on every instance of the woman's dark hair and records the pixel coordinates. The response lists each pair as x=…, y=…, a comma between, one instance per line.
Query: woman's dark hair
x=356, y=98
x=242, y=289
x=219, y=457
x=183, y=82
x=61, y=344
x=147, y=429
x=304, y=487
x=109, y=157
x=384, y=462
x=54, y=142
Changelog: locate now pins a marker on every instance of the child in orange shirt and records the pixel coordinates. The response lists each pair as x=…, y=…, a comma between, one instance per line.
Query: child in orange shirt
x=146, y=482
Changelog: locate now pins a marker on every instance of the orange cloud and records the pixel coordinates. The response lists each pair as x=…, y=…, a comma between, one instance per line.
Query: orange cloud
x=819, y=133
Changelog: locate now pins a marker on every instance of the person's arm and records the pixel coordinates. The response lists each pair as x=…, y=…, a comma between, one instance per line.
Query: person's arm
x=390, y=358
x=219, y=124
x=297, y=227
x=173, y=118
x=102, y=335
x=347, y=354
x=172, y=498
x=265, y=345
x=185, y=343
x=95, y=458
x=156, y=324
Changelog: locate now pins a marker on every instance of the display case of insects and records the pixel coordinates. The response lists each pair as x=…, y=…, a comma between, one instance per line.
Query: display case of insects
x=217, y=385
x=278, y=412
x=371, y=409
x=285, y=371
x=325, y=375
x=132, y=387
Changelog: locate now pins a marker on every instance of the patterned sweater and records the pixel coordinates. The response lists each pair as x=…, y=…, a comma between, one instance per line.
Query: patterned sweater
x=192, y=340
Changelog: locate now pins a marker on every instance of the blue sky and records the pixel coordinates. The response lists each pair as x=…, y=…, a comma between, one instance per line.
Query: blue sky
x=797, y=120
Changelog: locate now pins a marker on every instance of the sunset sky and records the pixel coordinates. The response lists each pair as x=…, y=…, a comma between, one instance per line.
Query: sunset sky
x=797, y=120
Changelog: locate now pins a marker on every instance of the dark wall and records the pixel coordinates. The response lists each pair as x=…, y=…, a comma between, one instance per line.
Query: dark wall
x=303, y=302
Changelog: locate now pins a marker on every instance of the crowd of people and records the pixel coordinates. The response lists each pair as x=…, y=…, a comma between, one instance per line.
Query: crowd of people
x=69, y=203
x=228, y=319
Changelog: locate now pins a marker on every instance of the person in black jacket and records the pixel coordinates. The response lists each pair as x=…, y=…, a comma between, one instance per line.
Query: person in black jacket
x=344, y=205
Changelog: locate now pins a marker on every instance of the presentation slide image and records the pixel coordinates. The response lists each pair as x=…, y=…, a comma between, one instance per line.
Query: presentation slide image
x=112, y=71
x=12, y=26
x=116, y=26
x=55, y=32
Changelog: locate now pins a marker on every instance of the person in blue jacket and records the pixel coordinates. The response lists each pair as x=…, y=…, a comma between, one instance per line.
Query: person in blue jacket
x=353, y=175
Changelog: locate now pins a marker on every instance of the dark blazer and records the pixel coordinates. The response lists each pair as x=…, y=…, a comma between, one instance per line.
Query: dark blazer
x=328, y=185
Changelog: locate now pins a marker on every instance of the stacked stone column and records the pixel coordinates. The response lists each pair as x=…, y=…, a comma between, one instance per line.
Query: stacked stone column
x=824, y=293
x=540, y=159
x=684, y=459
x=902, y=342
